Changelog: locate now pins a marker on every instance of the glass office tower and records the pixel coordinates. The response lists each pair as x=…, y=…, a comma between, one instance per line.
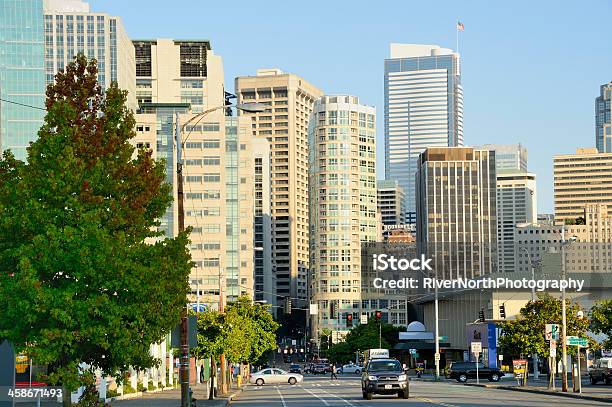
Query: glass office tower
x=22, y=74
x=423, y=108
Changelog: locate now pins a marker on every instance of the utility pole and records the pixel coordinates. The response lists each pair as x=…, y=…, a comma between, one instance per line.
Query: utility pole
x=563, y=316
x=223, y=379
x=437, y=333
x=184, y=366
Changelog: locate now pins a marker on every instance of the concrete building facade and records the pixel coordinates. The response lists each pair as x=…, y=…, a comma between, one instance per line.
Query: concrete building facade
x=423, y=108
x=186, y=78
x=289, y=100
x=516, y=203
x=342, y=140
x=581, y=179
x=391, y=202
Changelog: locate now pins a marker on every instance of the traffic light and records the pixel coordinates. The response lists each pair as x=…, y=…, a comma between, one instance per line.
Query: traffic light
x=349, y=320
x=481, y=316
x=378, y=315
x=332, y=310
x=287, y=305
x=502, y=311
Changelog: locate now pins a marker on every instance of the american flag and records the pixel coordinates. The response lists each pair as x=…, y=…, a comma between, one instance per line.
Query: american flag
x=460, y=26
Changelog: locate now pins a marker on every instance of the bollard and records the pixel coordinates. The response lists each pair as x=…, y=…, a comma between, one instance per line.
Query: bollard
x=239, y=380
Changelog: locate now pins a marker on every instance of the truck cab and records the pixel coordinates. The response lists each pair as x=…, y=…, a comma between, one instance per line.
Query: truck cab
x=384, y=376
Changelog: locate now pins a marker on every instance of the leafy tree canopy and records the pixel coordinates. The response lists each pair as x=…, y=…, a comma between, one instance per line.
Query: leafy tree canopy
x=525, y=334
x=84, y=274
x=601, y=320
x=244, y=332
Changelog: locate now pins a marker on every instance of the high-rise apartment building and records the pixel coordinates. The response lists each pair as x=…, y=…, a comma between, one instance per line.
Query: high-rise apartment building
x=456, y=211
x=391, y=202
x=342, y=140
x=516, y=204
x=186, y=78
x=423, y=108
x=508, y=157
x=22, y=74
x=289, y=100
x=265, y=284
x=581, y=179
x=70, y=28
x=603, y=119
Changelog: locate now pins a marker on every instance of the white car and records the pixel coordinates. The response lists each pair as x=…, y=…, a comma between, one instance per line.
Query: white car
x=351, y=368
x=275, y=376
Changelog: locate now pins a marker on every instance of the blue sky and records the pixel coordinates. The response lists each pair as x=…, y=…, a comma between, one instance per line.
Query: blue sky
x=531, y=69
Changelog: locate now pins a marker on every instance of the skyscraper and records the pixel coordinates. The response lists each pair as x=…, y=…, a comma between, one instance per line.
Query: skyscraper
x=603, y=120
x=342, y=141
x=516, y=203
x=70, y=28
x=456, y=211
x=186, y=78
x=22, y=74
x=391, y=201
x=581, y=179
x=423, y=108
x=285, y=124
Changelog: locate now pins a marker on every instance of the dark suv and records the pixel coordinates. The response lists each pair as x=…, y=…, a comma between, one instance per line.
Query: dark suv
x=384, y=376
x=462, y=371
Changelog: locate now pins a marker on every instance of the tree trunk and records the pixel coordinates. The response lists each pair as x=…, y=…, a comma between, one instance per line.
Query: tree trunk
x=66, y=397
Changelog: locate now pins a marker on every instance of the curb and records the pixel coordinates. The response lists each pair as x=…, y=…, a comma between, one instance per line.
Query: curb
x=545, y=392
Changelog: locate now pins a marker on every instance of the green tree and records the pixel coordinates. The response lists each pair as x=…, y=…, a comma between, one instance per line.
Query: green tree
x=84, y=274
x=525, y=334
x=601, y=320
x=364, y=337
x=244, y=332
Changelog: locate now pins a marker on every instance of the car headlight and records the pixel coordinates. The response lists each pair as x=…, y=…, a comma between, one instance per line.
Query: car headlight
x=402, y=378
x=372, y=378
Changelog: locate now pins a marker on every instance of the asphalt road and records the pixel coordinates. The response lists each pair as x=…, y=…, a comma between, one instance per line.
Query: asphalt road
x=321, y=391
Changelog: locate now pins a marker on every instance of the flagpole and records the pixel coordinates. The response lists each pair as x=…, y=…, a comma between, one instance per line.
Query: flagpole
x=457, y=33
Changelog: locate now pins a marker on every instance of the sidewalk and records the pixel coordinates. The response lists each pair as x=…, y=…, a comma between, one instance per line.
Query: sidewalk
x=172, y=398
x=599, y=393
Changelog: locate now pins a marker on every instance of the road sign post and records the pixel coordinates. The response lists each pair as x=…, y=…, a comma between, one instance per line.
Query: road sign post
x=476, y=349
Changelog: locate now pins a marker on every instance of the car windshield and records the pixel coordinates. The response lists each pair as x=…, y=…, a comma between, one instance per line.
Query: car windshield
x=295, y=366
x=384, y=366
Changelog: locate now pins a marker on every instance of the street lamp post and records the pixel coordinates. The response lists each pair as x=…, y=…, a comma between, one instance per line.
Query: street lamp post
x=563, y=309
x=180, y=142
x=534, y=356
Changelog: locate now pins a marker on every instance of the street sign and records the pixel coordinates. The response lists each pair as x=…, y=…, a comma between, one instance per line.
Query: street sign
x=412, y=351
x=552, y=332
x=363, y=319
x=500, y=357
x=553, y=352
x=476, y=348
x=520, y=368
x=314, y=309
x=576, y=341
x=437, y=357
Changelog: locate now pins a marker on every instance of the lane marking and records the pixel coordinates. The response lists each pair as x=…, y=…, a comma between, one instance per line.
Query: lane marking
x=320, y=398
x=281, y=397
x=439, y=403
x=340, y=398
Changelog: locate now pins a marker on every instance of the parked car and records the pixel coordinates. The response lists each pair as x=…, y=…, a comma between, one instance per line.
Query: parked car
x=384, y=376
x=275, y=376
x=350, y=368
x=601, y=371
x=295, y=368
x=462, y=371
x=321, y=368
